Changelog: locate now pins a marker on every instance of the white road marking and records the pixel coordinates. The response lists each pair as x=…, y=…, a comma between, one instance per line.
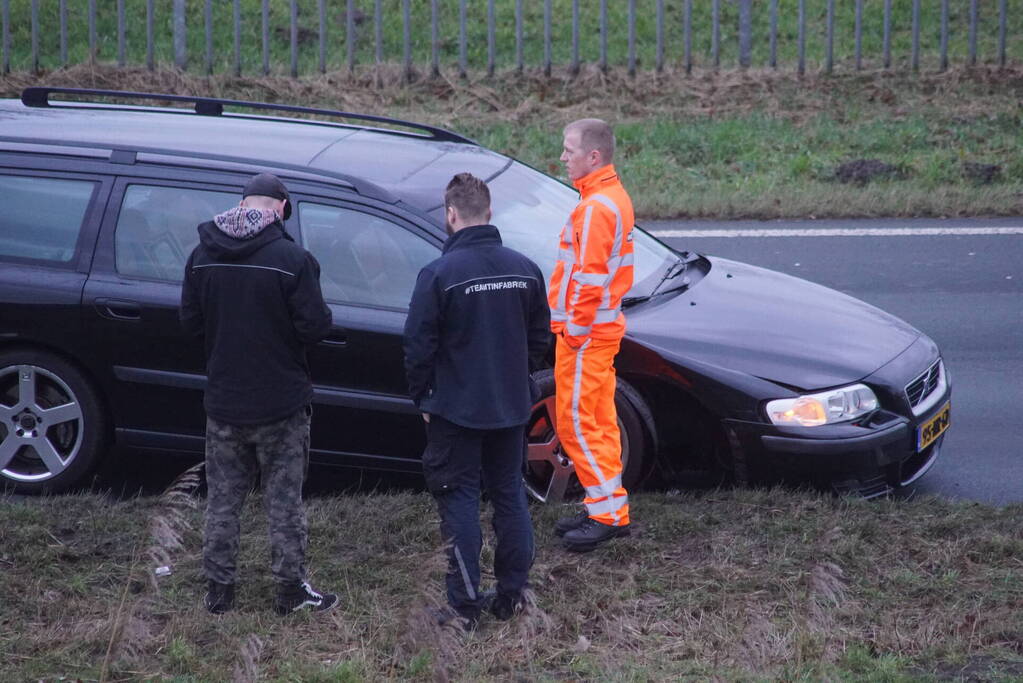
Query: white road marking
x=841, y=232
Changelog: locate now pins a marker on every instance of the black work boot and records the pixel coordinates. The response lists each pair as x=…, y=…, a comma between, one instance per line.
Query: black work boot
x=504, y=607
x=566, y=524
x=219, y=597
x=302, y=596
x=591, y=534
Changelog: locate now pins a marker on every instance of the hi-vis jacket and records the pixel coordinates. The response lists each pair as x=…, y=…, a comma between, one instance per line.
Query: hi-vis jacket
x=594, y=268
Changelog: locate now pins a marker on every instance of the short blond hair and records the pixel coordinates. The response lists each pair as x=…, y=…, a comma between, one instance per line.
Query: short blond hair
x=595, y=134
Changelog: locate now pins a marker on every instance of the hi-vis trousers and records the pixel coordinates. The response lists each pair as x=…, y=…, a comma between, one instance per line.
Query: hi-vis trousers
x=588, y=425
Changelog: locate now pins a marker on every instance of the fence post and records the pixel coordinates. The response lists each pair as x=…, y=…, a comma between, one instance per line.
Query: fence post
x=603, y=35
x=63, y=32
x=492, y=38
x=802, y=37
x=434, y=39
x=915, y=58
x=547, y=37
x=180, y=36
x=323, y=35
x=574, y=65
x=632, y=37
x=887, y=40
x=463, y=65
x=687, y=34
x=774, y=34
x=829, y=62
x=973, y=32
x=92, y=30
x=150, y=11
x=294, y=38
x=659, y=65
x=406, y=36
x=266, y=36
x=859, y=34
x=378, y=28
x=944, y=35
x=1003, y=19
x=6, y=40
x=121, y=39
x=35, y=35
x=519, y=59
x=208, y=21
x=745, y=32
x=237, y=37
x=715, y=35
x=350, y=34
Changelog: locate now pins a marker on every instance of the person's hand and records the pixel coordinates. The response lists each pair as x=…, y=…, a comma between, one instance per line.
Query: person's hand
x=426, y=418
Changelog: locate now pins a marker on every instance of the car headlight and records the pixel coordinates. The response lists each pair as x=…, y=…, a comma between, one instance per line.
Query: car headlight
x=827, y=407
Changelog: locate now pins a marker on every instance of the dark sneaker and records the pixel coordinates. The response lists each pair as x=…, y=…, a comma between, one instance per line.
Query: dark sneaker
x=504, y=607
x=590, y=534
x=566, y=524
x=302, y=597
x=219, y=597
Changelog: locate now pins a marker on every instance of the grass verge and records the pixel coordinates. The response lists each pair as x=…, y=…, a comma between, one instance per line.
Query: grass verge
x=744, y=144
x=732, y=585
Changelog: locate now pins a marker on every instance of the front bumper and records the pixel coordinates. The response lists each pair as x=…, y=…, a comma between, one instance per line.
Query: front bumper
x=869, y=458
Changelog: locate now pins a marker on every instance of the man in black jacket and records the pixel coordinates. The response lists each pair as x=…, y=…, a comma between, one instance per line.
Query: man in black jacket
x=253, y=296
x=477, y=324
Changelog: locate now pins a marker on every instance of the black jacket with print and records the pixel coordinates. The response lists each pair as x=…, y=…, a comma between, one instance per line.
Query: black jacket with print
x=256, y=303
x=477, y=324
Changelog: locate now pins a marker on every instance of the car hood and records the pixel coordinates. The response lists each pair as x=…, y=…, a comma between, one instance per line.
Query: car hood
x=771, y=325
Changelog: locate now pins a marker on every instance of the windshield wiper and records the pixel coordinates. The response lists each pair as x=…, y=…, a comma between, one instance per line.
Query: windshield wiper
x=676, y=269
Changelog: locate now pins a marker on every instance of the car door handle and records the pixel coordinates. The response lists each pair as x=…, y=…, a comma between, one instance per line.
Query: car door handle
x=336, y=338
x=118, y=309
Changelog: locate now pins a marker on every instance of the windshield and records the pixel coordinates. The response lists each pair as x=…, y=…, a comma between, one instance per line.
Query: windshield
x=530, y=209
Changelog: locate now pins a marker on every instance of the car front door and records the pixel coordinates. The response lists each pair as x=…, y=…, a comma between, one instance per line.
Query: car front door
x=131, y=302
x=369, y=260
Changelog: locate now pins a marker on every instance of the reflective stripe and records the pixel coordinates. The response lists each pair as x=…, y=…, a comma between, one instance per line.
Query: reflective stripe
x=605, y=490
x=607, y=315
x=560, y=316
x=582, y=250
x=469, y=590
x=576, y=425
x=594, y=279
x=616, y=247
x=608, y=506
x=577, y=330
x=566, y=256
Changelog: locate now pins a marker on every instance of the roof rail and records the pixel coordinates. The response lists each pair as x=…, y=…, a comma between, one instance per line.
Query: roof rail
x=210, y=106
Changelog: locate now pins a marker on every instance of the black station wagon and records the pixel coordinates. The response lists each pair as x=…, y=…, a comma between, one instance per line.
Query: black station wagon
x=725, y=367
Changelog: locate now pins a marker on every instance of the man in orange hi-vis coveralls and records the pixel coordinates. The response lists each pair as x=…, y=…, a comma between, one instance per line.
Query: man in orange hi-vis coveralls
x=593, y=273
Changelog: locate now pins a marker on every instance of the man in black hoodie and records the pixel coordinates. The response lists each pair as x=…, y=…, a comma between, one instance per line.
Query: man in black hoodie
x=253, y=296
x=477, y=324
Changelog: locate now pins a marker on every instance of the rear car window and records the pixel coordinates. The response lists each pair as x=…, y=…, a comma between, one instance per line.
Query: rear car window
x=364, y=259
x=156, y=228
x=42, y=217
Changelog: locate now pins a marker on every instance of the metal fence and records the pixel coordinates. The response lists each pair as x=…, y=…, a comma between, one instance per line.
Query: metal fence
x=669, y=27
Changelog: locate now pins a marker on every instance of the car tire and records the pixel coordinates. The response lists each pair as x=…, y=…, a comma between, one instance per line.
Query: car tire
x=549, y=473
x=53, y=427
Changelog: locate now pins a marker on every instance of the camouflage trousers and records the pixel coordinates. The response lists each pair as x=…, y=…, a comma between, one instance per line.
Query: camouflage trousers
x=279, y=452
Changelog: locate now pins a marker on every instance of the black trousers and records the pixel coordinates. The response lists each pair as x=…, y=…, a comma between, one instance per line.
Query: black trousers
x=455, y=461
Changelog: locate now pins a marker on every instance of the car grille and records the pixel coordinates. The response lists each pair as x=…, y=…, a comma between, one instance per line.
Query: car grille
x=923, y=386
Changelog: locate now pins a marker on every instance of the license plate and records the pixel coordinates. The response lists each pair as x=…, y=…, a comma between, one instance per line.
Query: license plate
x=933, y=428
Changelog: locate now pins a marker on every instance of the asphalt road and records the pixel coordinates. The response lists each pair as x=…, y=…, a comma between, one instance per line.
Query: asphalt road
x=963, y=289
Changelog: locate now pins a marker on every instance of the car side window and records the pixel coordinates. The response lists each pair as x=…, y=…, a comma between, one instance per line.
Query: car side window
x=156, y=228
x=42, y=217
x=364, y=259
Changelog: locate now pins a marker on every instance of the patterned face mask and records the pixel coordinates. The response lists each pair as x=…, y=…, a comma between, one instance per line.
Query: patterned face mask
x=245, y=222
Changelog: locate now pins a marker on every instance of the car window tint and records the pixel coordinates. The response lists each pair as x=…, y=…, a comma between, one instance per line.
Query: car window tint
x=156, y=228
x=364, y=259
x=42, y=217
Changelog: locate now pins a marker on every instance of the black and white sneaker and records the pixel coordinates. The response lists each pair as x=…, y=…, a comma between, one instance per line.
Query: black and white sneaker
x=219, y=597
x=302, y=596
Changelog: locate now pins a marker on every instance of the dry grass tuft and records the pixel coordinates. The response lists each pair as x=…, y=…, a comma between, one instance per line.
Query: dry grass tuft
x=247, y=668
